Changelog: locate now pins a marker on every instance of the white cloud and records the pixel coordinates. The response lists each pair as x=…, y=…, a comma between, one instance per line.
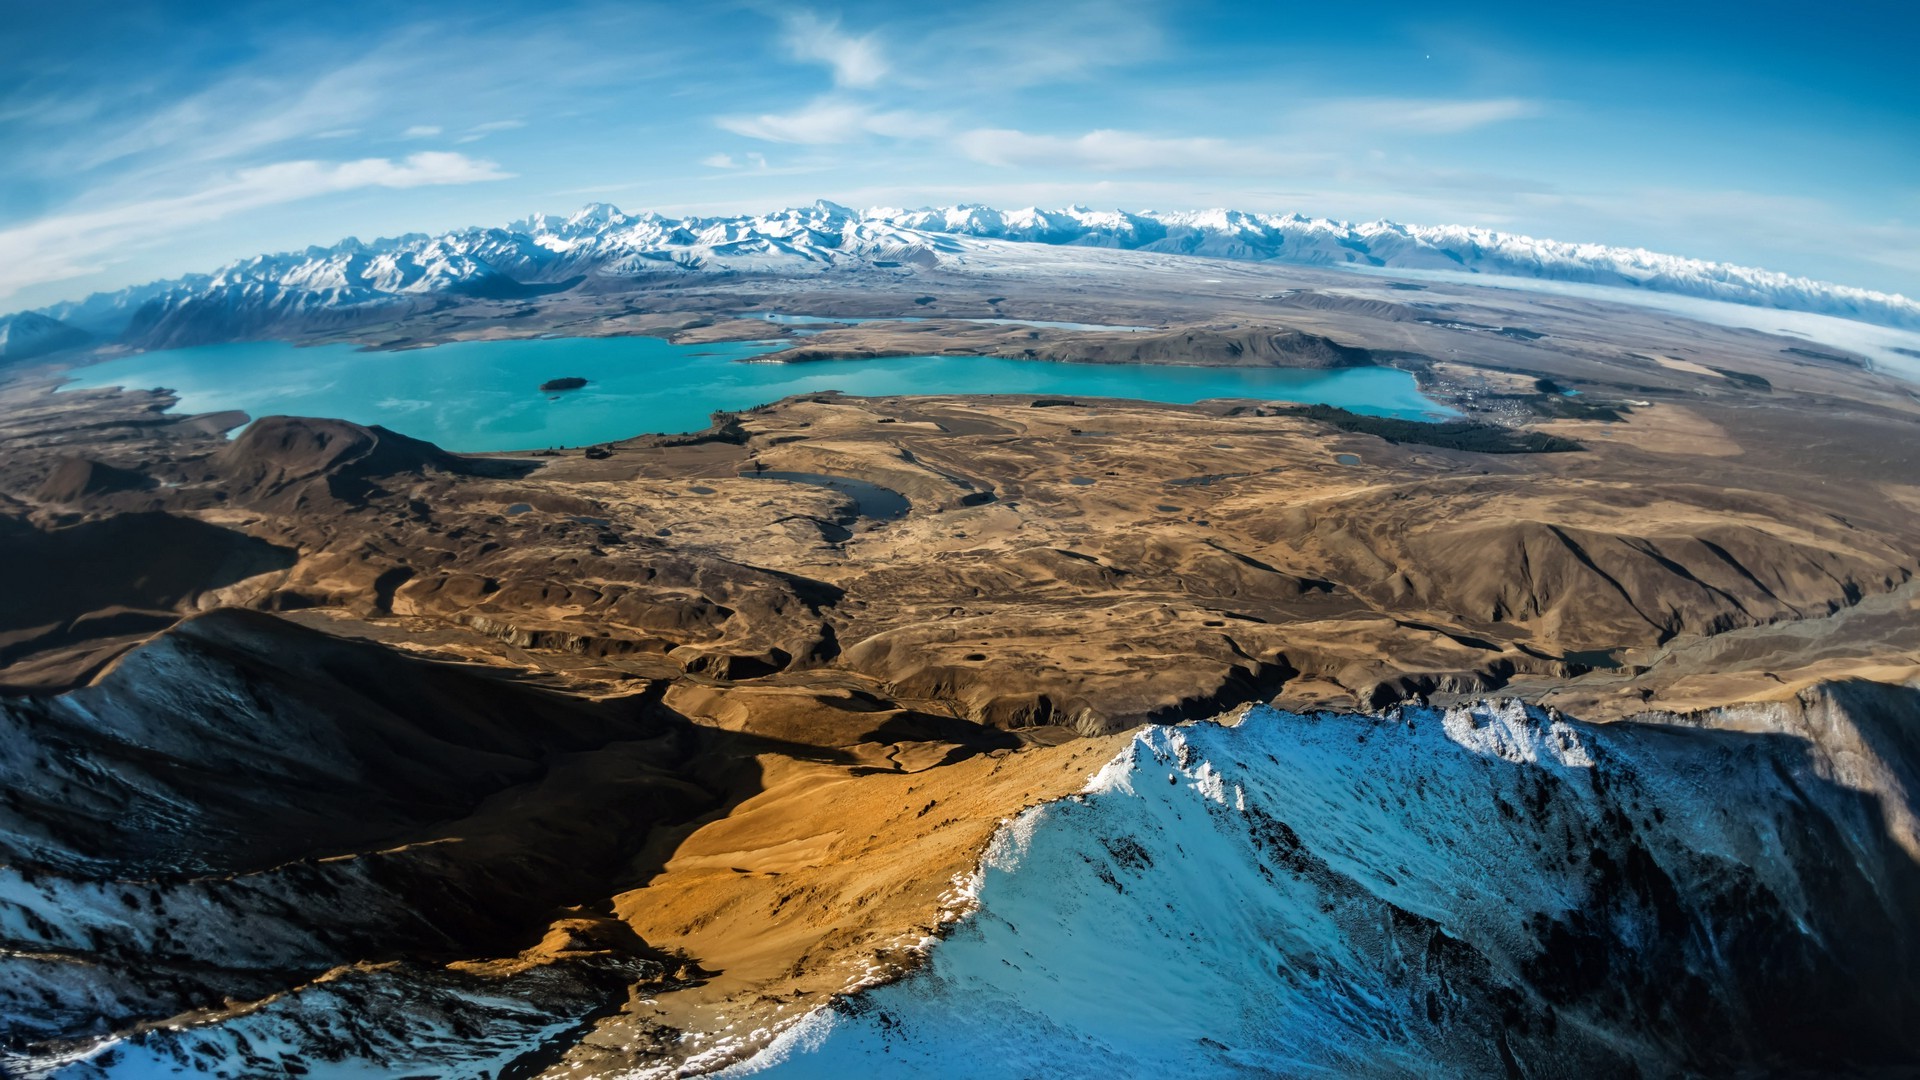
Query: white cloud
x=421, y=131
x=73, y=244
x=757, y=161
x=831, y=120
x=856, y=61
x=481, y=131
x=235, y=118
x=1126, y=151
x=1017, y=43
x=1420, y=116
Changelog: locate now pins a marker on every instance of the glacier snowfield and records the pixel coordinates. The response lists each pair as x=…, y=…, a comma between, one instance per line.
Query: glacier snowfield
x=484, y=395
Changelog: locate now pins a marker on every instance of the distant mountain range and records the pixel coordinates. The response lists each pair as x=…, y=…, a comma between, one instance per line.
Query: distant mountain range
x=600, y=248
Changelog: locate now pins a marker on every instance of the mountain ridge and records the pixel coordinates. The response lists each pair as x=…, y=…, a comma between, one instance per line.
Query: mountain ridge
x=601, y=247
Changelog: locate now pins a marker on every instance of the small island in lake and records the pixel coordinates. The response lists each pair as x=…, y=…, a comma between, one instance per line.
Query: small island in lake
x=571, y=382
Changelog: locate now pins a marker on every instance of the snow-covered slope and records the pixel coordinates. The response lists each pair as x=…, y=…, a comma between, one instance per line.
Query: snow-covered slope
x=602, y=248
x=29, y=334
x=107, y=314
x=1473, y=892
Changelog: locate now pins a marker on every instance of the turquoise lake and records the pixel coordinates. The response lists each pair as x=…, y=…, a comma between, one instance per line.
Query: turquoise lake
x=484, y=395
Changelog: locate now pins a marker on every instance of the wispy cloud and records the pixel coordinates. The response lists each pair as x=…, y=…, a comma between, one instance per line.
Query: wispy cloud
x=481, y=131
x=856, y=61
x=234, y=118
x=1102, y=150
x=833, y=120
x=727, y=161
x=1002, y=44
x=1417, y=116
x=73, y=244
x=1017, y=43
x=421, y=131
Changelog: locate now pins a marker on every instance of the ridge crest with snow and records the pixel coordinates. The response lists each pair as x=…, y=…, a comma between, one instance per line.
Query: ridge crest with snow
x=545, y=253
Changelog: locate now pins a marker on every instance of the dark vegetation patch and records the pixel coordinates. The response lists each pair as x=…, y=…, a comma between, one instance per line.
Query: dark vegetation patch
x=1448, y=435
x=1556, y=407
x=1744, y=379
x=1831, y=358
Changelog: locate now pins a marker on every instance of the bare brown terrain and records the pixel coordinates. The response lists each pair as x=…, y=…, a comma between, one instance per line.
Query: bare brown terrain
x=724, y=743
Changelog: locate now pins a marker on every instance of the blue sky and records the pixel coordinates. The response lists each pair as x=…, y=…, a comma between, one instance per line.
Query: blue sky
x=143, y=140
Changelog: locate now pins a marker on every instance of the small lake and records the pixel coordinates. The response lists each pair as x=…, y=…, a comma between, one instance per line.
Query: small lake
x=869, y=500
x=484, y=395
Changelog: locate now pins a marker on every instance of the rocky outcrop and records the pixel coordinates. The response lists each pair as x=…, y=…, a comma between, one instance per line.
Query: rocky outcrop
x=76, y=479
x=1861, y=735
x=286, y=459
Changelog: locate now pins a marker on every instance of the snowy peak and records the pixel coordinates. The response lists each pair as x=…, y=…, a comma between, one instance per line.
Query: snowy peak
x=545, y=252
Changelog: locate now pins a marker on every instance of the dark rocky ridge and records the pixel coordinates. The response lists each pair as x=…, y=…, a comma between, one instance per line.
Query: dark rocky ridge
x=1236, y=347
x=341, y=802
x=1199, y=346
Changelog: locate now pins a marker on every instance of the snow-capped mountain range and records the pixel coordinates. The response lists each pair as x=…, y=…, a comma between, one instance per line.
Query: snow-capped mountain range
x=604, y=249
